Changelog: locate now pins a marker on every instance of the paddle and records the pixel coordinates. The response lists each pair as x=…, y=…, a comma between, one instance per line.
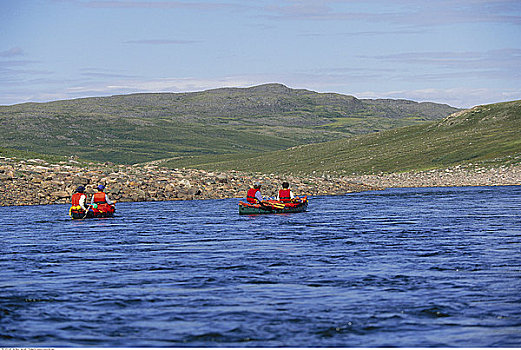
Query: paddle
x=266, y=205
x=272, y=205
x=279, y=205
x=87, y=211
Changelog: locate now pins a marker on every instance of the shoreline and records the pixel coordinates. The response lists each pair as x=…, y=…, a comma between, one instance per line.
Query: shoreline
x=36, y=182
x=457, y=176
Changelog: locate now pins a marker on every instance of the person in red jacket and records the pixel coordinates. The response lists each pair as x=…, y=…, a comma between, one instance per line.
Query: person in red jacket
x=78, y=200
x=254, y=195
x=101, y=202
x=285, y=195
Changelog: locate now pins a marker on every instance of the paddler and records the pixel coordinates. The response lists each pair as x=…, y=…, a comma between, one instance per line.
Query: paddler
x=78, y=200
x=254, y=195
x=101, y=201
x=285, y=195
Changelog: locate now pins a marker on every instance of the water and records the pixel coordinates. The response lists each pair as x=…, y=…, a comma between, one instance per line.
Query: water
x=436, y=267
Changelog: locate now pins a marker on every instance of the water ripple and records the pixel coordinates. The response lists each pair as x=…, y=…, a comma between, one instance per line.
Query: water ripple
x=436, y=267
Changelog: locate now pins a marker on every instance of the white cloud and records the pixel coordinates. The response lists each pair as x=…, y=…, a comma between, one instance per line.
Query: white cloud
x=178, y=84
x=165, y=5
x=14, y=51
x=162, y=42
x=114, y=85
x=88, y=88
x=457, y=97
x=506, y=58
x=416, y=13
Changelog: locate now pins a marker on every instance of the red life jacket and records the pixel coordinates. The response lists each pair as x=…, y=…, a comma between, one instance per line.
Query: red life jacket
x=99, y=198
x=76, y=199
x=285, y=195
x=250, y=197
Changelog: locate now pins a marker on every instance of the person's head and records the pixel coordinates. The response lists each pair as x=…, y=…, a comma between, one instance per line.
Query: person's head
x=101, y=187
x=257, y=185
x=80, y=189
x=285, y=185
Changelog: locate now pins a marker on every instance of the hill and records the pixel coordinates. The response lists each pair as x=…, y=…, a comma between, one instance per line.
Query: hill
x=239, y=121
x=485, y=135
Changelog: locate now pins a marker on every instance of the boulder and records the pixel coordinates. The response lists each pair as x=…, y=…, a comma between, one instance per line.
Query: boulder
x=222, y=178
x=60, y=194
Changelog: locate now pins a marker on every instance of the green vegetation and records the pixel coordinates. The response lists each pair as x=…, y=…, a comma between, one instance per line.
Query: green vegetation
x=485, y=135
x=215, y=124
x=14, y=153
x=268, y=128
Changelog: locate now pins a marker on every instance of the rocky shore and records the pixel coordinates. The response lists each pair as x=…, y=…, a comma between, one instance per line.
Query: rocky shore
x=36, y=182
x=469, y=175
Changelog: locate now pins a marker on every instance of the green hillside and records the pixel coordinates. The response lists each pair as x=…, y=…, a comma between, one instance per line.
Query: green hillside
x=484, y=135
x=14, y=153
x=143, y=127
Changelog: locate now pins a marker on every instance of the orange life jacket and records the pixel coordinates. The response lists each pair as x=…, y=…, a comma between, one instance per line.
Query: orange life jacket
x=285, y=195
x=75, y=200
x=99, y=198
x=250, y=197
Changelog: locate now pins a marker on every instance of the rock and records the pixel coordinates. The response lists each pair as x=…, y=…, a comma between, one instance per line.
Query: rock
x=36, y=160
x=60, y=194
x=56, y=182
x=222, y=178
x=41, y=169
x=185, y=183
x=138, y=196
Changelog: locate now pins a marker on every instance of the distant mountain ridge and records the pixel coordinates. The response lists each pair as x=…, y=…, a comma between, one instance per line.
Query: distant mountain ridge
x=143, y=127
x=488, y=135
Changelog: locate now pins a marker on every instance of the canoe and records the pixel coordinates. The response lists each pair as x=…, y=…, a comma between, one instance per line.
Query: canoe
x=273, y=207
x=107, y=211
x=90, y=215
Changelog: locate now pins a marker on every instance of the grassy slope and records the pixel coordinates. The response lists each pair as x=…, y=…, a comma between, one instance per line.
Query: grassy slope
x=488, y=135
x=14, y=153
x=143, y=127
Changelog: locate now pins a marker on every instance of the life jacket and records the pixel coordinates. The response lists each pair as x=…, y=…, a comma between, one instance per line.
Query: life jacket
x=75, y=200
x=250, y=196
x=99, y=198
x=285, y=195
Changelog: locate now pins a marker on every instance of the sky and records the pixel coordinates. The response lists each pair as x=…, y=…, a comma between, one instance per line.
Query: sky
x=462, y=53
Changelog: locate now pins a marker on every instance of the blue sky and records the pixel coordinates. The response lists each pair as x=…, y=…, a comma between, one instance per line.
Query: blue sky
x=462, y=53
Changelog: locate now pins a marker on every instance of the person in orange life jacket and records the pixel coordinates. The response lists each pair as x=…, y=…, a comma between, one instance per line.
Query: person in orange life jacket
x=79, y=198
x=101, y=197
x=285, y=194
x=254, y=195
x=101, y=202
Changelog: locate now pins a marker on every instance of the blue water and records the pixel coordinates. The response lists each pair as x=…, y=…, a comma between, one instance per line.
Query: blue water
x=435, y=267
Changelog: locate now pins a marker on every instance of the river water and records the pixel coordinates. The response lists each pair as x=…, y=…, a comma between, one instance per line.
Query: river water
x=431, y=267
